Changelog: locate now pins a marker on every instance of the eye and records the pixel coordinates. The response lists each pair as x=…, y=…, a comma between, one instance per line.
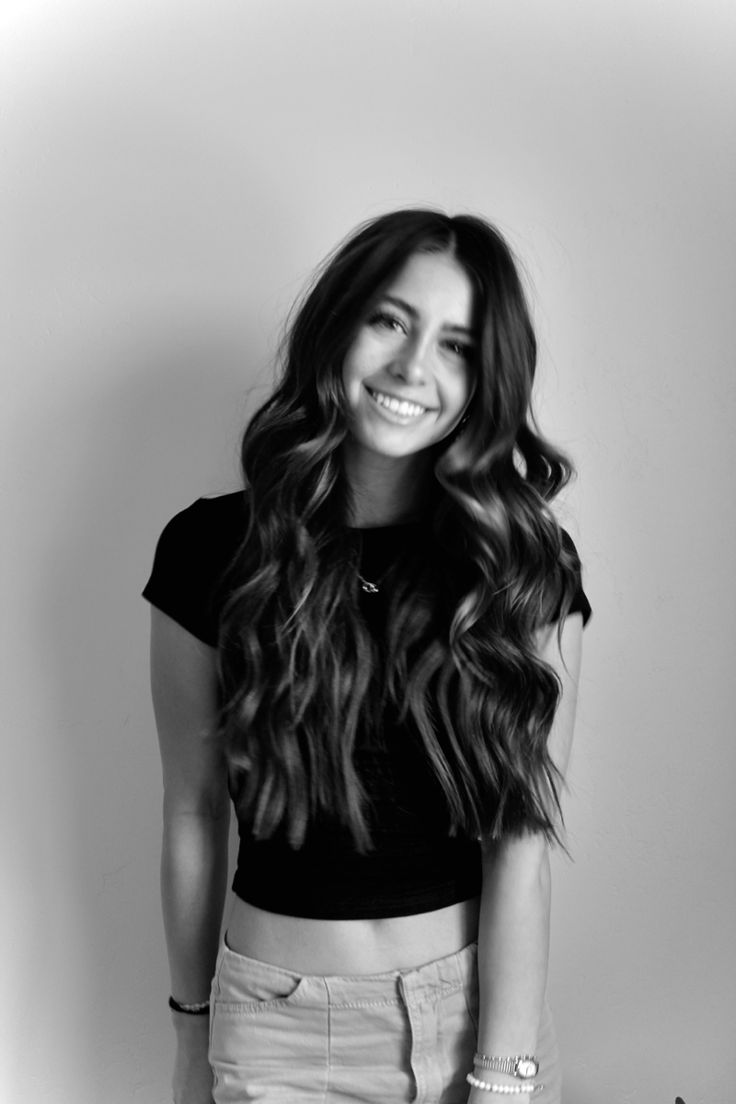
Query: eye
x=385, y=320
x=459, y=349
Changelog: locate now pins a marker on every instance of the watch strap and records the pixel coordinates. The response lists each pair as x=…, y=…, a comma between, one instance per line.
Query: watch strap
x=515, y=1065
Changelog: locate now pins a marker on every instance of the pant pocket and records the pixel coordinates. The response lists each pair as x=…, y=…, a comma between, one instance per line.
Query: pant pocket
x=457, y=1033
x=472, y=1005
x=245, y=985
x=269, y=1044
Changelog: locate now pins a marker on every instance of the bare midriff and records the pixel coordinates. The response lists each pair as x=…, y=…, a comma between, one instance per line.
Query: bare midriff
x=326, y=947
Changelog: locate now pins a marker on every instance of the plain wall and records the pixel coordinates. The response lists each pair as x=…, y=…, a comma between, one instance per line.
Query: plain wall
x=170, y=174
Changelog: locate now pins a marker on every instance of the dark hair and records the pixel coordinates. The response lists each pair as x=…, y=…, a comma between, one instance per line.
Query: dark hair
x=299, y=671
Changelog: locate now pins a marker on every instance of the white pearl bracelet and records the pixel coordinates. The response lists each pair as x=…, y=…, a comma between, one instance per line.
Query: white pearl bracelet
x=510, y=1090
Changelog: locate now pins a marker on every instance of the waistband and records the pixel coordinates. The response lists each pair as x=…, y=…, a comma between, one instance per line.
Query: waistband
x=453, y=972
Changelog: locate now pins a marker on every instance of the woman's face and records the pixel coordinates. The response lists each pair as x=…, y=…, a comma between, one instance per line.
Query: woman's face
x=408, y=373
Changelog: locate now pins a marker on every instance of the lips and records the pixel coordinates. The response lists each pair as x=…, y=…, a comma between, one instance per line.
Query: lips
x=402, y=408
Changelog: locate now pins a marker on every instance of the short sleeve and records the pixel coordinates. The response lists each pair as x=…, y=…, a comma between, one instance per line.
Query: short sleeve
x=192, y=556
x=579, y=602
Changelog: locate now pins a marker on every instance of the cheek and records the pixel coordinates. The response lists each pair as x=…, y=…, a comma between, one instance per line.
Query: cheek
x=462, y=392
x=470, y=381
x=356, y=365
x=350, y=373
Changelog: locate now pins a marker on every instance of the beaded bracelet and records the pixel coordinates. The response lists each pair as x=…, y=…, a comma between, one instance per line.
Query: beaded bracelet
x=508, y=1090
x=201, y=1008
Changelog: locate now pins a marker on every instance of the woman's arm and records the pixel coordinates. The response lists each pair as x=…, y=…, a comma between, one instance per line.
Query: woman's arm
x=195, y=834
x=513, y=936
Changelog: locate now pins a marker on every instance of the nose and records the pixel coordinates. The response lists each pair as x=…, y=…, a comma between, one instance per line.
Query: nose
x=408, y=364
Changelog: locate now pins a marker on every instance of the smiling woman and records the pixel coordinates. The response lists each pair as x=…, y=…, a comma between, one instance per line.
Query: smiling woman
x=407, y=367
x=374, y=647
x=408, y=376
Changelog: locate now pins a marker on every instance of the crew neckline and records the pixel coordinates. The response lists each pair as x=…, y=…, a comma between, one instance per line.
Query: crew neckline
x=382, y=528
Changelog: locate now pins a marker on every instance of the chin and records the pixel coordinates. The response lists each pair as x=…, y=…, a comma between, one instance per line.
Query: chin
x=401, y=451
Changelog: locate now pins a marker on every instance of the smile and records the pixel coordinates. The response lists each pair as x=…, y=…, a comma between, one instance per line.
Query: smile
x=402, y=408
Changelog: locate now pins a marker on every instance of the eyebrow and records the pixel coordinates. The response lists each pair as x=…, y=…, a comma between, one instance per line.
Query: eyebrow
x=414, y=314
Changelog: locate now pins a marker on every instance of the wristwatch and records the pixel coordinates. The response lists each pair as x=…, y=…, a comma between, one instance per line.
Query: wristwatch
x=520, y=1065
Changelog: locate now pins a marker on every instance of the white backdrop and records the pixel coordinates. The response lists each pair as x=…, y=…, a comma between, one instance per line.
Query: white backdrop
x=171, y=171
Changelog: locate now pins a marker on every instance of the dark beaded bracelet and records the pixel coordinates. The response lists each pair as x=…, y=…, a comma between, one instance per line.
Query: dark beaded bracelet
x=200, y=1009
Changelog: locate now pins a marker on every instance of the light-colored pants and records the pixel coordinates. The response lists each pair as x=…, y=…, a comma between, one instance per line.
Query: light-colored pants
x=278, y=1036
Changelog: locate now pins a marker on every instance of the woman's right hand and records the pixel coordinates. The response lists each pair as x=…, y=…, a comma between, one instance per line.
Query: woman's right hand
x=192, y=1080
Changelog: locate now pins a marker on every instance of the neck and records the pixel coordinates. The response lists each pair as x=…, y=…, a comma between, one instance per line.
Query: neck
x=385, y=490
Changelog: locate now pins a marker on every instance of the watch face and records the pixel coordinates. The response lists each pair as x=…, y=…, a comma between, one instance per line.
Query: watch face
x=526, y=1067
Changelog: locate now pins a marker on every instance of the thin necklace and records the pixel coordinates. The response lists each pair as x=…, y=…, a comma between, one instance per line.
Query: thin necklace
x=369, y=587
x=365, y=584
x=373, y=588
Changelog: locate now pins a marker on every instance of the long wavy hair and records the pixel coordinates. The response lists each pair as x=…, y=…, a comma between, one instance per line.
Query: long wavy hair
x=301, y=677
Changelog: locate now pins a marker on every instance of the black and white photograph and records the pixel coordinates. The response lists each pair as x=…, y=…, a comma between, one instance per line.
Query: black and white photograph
x=368, y=553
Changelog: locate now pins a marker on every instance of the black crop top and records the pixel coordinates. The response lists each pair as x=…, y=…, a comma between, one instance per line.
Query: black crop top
x=414, y=865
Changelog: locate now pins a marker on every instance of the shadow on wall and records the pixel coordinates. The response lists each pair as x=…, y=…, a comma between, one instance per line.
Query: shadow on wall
x=142, y=448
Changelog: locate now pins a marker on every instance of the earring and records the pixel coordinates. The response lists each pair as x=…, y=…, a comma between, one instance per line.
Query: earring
x=461, y=426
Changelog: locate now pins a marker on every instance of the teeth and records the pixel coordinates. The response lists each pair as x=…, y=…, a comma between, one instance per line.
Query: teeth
x=401, y=407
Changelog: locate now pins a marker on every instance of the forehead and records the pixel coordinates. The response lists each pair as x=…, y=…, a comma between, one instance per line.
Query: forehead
x=436, y=286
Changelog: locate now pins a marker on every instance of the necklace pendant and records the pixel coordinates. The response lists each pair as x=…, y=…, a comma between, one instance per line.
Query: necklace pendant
x=369, y=588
